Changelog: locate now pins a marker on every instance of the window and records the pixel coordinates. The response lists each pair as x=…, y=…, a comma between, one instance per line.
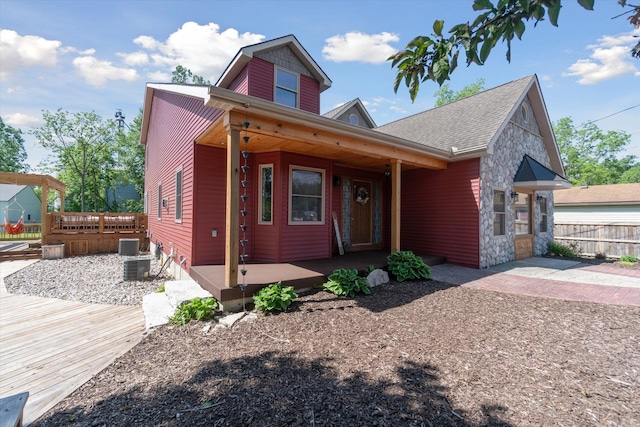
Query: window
x=159, y=200
x=524, y=110
x=307, y=195
x=543, y=215
x=179, y=195
x=353, y=119
x=265, y=205
x=145, y=207
x=286, y=92
x=523, y=216
x=499, y=209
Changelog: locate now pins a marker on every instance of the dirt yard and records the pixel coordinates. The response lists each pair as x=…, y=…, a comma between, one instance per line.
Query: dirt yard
x=423, y=354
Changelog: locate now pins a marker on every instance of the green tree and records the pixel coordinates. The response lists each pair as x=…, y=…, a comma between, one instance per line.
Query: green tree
x=590, y=155
x=445, y=95
x=131, y=162
x=435, y=57
x=12, y=152
x=81, y=147
x=631, y=175
x=185, y=76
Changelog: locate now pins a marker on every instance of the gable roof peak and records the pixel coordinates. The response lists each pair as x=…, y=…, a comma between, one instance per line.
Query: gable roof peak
x=246, y=53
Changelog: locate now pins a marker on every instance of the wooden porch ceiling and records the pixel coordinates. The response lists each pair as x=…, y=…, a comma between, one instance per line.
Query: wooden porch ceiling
x=269, y=134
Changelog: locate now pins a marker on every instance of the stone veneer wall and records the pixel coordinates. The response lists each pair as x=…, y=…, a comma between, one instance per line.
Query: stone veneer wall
x=497, y=172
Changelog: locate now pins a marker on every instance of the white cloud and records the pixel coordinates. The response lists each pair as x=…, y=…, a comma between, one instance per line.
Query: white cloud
x=20, y=120
x=135, y=58
x=18, y=52
x=159, y=76
x=97, y=72
x=201, y=48
x=610, y=58
x=356, y=46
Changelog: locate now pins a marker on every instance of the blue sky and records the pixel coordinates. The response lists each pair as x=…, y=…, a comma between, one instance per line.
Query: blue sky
x=98, y=55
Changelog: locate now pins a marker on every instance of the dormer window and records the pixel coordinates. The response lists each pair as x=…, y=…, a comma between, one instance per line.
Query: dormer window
x=286, y=92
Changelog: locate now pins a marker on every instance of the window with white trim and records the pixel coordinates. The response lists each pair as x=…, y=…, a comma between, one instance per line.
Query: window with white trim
x=265, y=204
x=159, y=200
x=543, y=215
x=145, y=208
x=286, y=88
x=499, y=212
x=179, y=195
x=306, y=200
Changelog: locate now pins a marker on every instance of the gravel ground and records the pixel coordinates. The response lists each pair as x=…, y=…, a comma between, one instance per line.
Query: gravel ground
x=92, y=279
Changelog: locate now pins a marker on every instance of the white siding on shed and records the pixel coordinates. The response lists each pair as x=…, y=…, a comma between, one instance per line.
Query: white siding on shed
x=625, y=214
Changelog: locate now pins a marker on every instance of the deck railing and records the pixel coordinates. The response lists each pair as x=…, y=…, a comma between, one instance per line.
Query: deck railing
x=31, y=231
x=83, y=222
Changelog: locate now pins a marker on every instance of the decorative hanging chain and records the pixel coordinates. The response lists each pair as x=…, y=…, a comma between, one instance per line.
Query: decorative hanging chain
x=244, y=197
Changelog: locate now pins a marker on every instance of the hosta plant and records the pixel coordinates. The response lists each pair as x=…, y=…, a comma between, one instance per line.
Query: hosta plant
x=196, y=309
x=274, y=297
x=405, y=265
x=344, y=282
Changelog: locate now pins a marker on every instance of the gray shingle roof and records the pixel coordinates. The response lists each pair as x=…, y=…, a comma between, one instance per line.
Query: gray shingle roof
x=467, y=124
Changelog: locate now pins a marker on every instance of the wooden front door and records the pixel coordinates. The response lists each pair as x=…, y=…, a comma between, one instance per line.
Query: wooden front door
x=362, y=213
x=524, y=226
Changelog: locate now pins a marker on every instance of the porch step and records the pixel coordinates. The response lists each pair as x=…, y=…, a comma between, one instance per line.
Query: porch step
x=13, y=255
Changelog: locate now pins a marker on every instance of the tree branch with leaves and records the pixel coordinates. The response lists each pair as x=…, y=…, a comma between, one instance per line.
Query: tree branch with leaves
x=435, y=57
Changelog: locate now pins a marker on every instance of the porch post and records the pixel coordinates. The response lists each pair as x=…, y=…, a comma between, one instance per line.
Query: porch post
x=396, y=172
x=43, y=208
x=232, y=234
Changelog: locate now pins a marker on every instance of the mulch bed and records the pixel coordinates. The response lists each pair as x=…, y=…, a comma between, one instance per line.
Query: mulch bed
x=425, y=354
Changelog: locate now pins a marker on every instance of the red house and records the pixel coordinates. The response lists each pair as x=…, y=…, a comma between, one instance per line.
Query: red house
x=249, y=171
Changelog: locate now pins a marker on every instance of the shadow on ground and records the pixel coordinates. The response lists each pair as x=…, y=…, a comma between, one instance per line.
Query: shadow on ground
x=279, y=389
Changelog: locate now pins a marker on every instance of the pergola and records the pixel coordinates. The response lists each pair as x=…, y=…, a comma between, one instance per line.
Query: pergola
x=45, y=181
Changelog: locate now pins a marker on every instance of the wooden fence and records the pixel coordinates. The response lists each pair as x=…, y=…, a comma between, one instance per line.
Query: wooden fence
x=92, y=233
x=613, y=240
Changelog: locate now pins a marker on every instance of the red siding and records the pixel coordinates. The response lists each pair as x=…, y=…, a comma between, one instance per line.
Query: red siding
x=257, y=79
x=309, y=94
x=174, y=123
x=298, y=242
x=440, y=212
x=265, y=236
x=241, y=83
x=261, y=79
x=210, y=198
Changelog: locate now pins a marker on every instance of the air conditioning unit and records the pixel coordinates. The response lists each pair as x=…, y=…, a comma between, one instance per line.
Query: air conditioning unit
x=136, y=268
x=128, y=247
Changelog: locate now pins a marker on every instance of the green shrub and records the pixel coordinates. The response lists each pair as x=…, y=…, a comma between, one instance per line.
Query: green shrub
x=197, y=308
x=274, y=298
x=558, y=249
x=160, y=289
x=629, y=258
x=405, y=265
x=344, y=282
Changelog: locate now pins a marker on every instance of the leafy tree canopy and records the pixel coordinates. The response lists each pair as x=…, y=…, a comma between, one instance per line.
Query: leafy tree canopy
x=445, y=95
x=435, y=57
x=185, y=76
x=82, y=147
x=591, y=156
x=12, y=152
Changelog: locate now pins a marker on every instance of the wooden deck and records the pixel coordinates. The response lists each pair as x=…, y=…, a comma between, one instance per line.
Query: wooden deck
x=50, y=347
x=299, y=274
